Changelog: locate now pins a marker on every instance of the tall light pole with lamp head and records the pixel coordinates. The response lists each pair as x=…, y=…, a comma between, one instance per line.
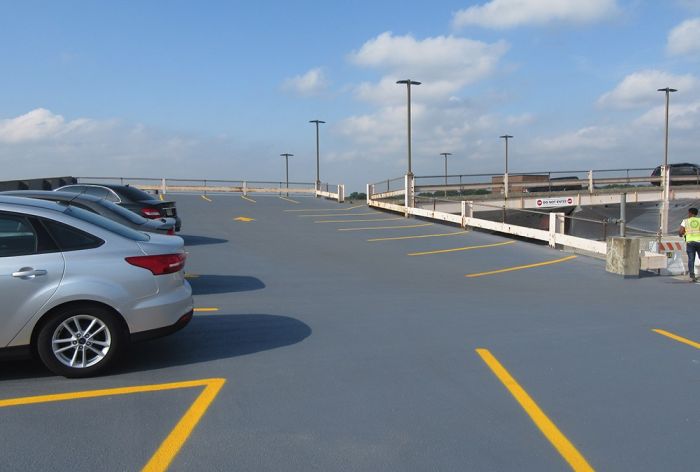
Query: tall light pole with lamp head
x=286, y=156
x=666, y=172
x=408, y=83
x=445, y=154
x=318, y=177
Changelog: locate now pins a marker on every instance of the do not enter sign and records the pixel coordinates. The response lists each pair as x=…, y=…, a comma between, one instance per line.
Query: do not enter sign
x=554, y=202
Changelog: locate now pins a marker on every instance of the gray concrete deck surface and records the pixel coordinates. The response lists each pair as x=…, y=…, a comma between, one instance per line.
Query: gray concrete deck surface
x=345, y=354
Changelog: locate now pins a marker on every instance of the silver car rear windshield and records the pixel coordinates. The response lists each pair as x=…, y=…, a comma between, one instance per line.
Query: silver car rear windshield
x=105, y=223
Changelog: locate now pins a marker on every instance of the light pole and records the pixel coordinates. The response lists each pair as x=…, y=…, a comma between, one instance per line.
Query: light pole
x=505, y=175
x=408, y=83
x=318, y=178
x=667, y=178
x=286, y=167
x=445, y=154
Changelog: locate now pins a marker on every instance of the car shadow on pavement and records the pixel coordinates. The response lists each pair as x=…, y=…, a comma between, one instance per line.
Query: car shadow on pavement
x=191, y=240
x=212, y=337
x=206, y=338
x=211, y=284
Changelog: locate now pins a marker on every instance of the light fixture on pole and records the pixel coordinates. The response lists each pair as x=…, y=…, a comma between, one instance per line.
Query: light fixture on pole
x=666, y=170
x=286, y=167
x=318, y=177
x=408, y=83
x=445, y=154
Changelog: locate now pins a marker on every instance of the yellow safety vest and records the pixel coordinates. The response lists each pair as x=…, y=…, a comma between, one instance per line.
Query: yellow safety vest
x=692, y=229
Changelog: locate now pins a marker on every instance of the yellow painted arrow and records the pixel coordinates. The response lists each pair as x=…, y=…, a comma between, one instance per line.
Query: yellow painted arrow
x=244, y=219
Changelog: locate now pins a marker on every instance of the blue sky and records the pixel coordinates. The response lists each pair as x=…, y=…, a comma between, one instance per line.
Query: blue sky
x=220, y=89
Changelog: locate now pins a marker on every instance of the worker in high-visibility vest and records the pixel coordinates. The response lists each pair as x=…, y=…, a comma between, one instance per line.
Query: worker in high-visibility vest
x=690, y=228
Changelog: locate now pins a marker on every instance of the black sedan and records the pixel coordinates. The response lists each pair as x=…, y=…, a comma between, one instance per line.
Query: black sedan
x=101, y=207
x=129, y=197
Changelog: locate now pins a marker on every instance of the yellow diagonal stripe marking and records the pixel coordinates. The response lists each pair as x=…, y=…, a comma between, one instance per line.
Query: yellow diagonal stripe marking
x=385, y=227
x=361, y=221
x=206, y=198
x=465, y=248
x=675, y=337
x=528, y=266
x=398, y=238
x=288, y=199
x=329, y=209
x=567, y=450
x=248, y=199
x=172, y=444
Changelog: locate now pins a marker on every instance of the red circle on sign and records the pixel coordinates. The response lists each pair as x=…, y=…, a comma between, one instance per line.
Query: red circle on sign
x=539, y=203
x=570, y=201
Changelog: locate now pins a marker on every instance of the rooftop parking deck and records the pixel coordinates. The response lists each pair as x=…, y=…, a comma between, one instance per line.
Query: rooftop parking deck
x=347, y=338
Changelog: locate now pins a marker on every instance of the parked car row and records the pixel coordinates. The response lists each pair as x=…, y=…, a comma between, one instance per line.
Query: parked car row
x=82, y=275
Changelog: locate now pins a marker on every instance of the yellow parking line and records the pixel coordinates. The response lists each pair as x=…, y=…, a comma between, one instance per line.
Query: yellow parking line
x=205, y=310
x=361, y=221
x=172, y=444
x=465, y=248
x=385, y=227
x=397, y=238
x=675, y=337
x=339, y=216
x=289, y=200
x=528, y=266
x=567, y=450
x=191, y=276
x=249, y=199
x=329, y=209
x=206, y=198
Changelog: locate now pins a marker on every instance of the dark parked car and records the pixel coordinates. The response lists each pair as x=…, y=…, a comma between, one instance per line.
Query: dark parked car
x=554, y=185
x=102, y=207
x=129, y=197
x=683, y=169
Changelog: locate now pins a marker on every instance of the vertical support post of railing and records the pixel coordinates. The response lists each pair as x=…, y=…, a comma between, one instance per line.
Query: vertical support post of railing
x=556, y=226
x=341, y=193
x=665, y=199
x=162, y=186
x=245, y=188
x=409, y=199
x=590, y=181
x=623, y=214
x=370, y=187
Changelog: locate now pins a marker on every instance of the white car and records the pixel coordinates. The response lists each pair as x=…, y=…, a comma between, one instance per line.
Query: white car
x=76, y=288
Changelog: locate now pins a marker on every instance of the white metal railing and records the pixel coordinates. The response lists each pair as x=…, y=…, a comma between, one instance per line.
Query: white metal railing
x=245, y=187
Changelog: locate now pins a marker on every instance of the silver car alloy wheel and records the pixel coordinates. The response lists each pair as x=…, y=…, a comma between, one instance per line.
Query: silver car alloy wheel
x=81, y=341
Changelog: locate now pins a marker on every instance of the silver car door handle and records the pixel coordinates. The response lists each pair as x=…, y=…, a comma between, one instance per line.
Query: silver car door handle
x=27, y=272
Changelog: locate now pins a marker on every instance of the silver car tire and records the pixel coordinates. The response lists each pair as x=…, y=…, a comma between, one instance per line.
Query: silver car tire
x=80, y=341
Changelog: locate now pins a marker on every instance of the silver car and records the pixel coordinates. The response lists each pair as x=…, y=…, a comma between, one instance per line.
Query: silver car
x=76, y=288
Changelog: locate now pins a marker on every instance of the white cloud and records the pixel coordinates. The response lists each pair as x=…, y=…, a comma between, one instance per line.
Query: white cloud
x=502, y=14
x=640, y=89
x=40, y=124
x=684, y=39
x=41, y=143
x=586, y=139
x=444, y=64
x=312, y=82
x=680, y=116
